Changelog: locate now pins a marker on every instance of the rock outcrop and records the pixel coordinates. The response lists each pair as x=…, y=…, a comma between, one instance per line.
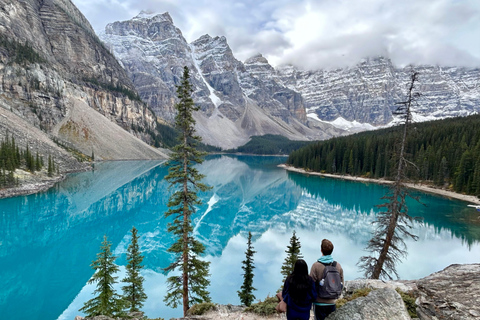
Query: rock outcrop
x=52, y=66
x=448, y=294
x=453, y=293
x=381, y=304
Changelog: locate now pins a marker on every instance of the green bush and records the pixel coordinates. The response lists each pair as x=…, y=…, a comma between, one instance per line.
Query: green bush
x=201, y=308
x=265, y=308
x=409, y=301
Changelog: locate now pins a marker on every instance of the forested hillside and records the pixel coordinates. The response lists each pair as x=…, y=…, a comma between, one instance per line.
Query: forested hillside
x=12, y=157
x=445, y=153
x=270, y=144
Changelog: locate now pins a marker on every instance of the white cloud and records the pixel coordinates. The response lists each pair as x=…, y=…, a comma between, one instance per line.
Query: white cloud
x=320, y=34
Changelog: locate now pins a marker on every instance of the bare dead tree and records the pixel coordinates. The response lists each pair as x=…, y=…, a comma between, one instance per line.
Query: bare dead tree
x=393, y=223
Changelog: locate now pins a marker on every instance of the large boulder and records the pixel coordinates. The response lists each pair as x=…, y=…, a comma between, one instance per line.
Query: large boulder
x=352, y=285
x=379, y=304
x=452, y=293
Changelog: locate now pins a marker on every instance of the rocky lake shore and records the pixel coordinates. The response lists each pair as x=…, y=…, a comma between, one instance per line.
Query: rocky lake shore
x=416, y=186
x=33, y=183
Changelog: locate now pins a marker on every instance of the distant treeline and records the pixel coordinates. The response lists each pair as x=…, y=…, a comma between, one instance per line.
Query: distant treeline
x=270, y=144
x=445, y=153
x=12, y=158
x=20, y=53
x=132, y=95
x=168, y=136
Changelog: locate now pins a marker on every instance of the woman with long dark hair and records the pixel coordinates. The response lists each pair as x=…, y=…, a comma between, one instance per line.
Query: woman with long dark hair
x=299, y=292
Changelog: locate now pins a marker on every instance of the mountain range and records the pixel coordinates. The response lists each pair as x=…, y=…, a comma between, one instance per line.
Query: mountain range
x=241, y=99
x=63, y=88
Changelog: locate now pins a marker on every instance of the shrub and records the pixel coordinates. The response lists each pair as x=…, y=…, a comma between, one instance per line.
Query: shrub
x=409, y=301
x=201, y=308
x=363, y=292
x=265, y=308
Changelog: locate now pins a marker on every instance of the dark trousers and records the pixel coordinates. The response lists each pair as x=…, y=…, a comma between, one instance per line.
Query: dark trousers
x=321, y=312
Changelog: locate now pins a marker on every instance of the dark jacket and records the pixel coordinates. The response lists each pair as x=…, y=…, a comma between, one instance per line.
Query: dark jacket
x=299, y=309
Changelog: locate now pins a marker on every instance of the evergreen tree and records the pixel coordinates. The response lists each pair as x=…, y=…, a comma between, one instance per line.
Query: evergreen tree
x=133, y=292
x=50, y=166
x=28, y=160
x=393, y=223
x=245, y=294
x=38, y=165
x=191, y=286
x=293, y=254
x=107, y=302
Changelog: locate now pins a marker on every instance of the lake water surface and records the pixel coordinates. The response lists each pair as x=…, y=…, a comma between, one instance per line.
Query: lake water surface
x=48, y=240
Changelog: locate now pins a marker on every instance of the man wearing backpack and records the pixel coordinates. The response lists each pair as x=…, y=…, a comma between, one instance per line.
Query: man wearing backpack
x=328, y=277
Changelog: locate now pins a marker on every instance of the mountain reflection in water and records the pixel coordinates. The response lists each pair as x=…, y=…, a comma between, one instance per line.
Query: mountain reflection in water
x=48, y=240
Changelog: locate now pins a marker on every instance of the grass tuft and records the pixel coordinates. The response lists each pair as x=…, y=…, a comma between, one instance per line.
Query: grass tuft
x=264, y=308
x=201, y=308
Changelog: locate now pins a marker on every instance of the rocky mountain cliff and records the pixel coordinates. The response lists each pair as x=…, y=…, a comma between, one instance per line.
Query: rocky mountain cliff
x=57, y=76
x=239, y=100
x=368, y=92
x=234, y=103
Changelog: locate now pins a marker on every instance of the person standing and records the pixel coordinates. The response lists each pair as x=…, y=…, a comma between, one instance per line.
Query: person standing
x=328, y=288
x=299, y=292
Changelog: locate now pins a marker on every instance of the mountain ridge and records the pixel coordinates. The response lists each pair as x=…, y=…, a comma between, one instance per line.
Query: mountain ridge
x=234, y=104
x=242, y=99
x=52, y=65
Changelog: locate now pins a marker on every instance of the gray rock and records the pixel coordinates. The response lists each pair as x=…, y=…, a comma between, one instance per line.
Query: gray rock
x=452, y=293
x=352, y=285
x=74, y=67
x=368, y=92
x=380, y=304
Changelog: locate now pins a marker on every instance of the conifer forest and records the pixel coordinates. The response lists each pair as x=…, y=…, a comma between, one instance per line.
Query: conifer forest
x=444, y=153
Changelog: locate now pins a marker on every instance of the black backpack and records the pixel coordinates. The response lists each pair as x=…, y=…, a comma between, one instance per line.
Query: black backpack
x=332, y=285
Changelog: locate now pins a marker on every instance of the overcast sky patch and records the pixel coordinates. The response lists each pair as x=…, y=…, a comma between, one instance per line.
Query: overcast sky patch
x=314, y=34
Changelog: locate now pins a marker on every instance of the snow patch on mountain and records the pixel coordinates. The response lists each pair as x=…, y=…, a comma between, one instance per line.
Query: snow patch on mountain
x=349, y=126
x=213, y=97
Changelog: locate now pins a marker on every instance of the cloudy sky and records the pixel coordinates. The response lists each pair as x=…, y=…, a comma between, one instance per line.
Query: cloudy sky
x=316, y=34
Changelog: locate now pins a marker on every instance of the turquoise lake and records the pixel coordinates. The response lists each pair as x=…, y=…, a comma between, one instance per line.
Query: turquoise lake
x=48, y=240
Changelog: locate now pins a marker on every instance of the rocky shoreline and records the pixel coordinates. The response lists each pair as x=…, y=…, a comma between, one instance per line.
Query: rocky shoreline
x=34, y=183
x=416, y=186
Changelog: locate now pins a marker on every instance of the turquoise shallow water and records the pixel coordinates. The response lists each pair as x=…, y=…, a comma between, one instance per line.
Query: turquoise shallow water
x=48, y=240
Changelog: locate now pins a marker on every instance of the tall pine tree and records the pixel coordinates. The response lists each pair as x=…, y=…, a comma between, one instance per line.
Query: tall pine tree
x=107, y=302
x=133, y=292
x=293, y=254
x=245, y=294
x=191, y=286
